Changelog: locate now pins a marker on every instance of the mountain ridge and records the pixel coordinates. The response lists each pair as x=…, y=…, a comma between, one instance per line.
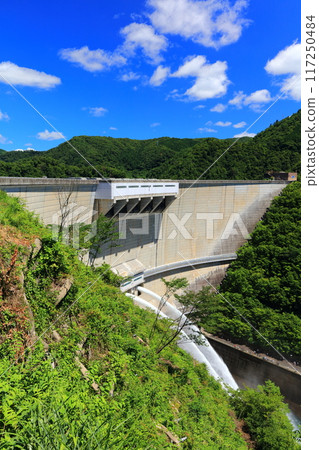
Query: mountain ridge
x=275, y=148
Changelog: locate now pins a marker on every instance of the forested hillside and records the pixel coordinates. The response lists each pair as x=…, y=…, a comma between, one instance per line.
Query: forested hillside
x=263, y=284
x=276, y=148
x=79, y=370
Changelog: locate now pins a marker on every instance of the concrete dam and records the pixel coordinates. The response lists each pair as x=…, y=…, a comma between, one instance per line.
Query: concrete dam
x=166, y=227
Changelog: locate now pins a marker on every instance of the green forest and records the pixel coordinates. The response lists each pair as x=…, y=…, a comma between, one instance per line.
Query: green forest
x=263, y=284
x=80, y=370
x=276, y=148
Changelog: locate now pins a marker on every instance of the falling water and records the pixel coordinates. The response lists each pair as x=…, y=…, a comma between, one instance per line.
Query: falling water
x=183, y=343
x=191, y=330
x=205, y=350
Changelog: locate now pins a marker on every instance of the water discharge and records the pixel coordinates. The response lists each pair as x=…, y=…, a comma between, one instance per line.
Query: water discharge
x=202, y=352
x=184, y=342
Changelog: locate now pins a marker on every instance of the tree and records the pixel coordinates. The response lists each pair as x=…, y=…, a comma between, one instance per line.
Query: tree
x=265, y=415
x=189, y=304
x=104, y=232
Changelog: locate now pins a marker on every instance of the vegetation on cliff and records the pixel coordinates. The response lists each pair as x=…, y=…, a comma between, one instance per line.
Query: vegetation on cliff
x=78, y=371
x=276, y=148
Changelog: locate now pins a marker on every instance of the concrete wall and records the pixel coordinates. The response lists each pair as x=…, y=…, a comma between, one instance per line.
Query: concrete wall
x=248, y=199
x=44, y=196
x=250, y=370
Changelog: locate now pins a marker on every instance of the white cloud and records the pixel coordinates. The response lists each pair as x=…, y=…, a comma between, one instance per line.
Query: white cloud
x=244, y=134
x=288, y=62
x=239, y=125
x=113, y=128
x=223, y=124
x=211, y=79
x=207, y=130
x=96, y=111
x=255, y=100
x=140, y=35
x=50, y=135
x=92, y=60
x=4, y=140
x=130, y=76
x=159, y=75
x=211, y=23
x=261, y=96
x=155, y=124
x=199, y=107
x=238, y=99
x=219, y=108
x=22, y=76
x=4, y=116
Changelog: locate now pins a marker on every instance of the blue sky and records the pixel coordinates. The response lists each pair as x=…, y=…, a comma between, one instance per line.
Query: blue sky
x=144, y=69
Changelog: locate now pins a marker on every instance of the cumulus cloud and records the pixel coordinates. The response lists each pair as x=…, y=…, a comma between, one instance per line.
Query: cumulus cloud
x=22, y=76
x=288, y=62
x=238, y=99
x=244, y=134
x=211, y=79
x=4, y=140
x=155, y=124
x=130, y=76
x=159, y=75
x=199, y=107
x=92, y=60
x=96, y=111
x=222, y=124
x=255, y=100
x=143, y=36
x=211, y=23
x=113, y=128
x=50, y=135
x=219, y=108
x=206, y=130
x=4, y=116
x=261, y=96
x=239, y=124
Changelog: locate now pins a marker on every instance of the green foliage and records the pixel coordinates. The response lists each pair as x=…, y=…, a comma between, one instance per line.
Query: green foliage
x=108, y=276
x=13, y=213
x=47, y=402
x=53, y=262
x=265, y=415
x=104, y=233
x=276, y=148
x=263, y=284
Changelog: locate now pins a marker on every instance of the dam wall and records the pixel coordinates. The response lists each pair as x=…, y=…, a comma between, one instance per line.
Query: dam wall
x=162, y=223
x=205, y=219
x=48, y=198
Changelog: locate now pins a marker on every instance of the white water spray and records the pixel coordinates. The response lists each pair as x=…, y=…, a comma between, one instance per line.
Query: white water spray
x=201, y=352
x=191, y=330
x=184, y=343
